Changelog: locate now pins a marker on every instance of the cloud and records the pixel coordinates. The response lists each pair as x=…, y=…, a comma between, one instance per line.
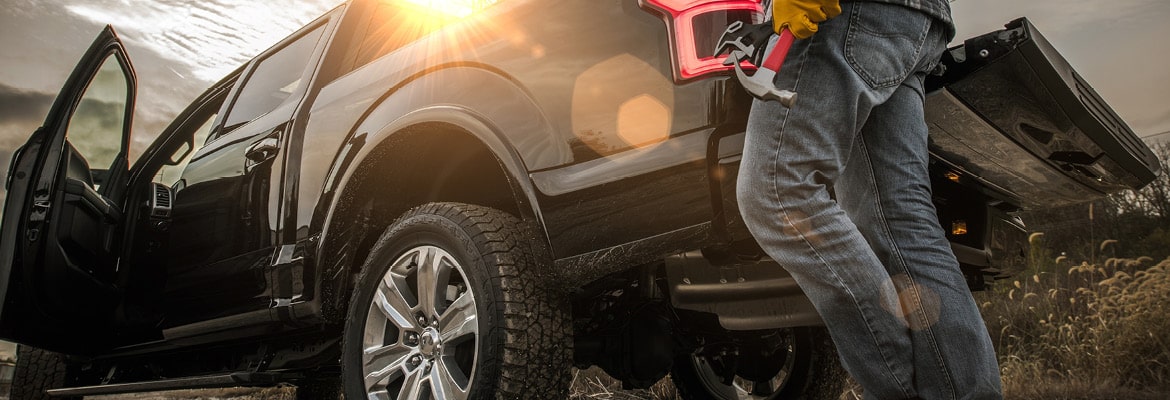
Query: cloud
x=210, y=38
x=178, y=48
x=21, y=105
x=1054, y=17
x=96, y=131
x=1117, y=46
x=93, y=127
x=21, y=112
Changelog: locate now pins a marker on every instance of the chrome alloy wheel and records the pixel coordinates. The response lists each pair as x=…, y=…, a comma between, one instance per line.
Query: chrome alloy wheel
x=421, y=335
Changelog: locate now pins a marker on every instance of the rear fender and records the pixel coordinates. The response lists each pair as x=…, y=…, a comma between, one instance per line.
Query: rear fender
x=473, y=100
x=476, y=101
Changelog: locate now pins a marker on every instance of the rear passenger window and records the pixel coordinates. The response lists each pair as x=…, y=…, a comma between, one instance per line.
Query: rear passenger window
x=274, y=80
x=395, y=24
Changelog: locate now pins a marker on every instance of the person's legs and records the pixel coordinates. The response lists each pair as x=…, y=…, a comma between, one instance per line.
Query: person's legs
x=885, y=190
x=793, y=157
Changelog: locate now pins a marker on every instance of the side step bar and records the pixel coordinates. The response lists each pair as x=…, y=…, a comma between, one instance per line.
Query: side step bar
x=198, y=382
x=751, y=296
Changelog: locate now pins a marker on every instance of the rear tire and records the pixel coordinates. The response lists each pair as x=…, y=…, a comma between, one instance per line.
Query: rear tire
x=453, y=301
x=811, y=370
x=36, y=372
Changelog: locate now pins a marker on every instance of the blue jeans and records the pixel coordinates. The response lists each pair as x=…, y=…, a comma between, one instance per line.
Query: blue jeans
x=874, y=261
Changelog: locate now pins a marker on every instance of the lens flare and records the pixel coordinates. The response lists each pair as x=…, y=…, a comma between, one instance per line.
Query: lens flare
x=403, y=26
x=454, y=8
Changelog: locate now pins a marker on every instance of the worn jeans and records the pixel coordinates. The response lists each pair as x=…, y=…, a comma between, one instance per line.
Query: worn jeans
x=874, y=262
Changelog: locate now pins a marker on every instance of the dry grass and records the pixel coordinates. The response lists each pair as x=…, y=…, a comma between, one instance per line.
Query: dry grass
x=594, y=384
x=1084, y=331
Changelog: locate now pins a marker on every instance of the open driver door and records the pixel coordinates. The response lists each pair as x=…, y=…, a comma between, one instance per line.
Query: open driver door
x=60, y=246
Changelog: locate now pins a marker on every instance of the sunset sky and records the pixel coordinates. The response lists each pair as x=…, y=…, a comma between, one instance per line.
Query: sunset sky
x=181, y=47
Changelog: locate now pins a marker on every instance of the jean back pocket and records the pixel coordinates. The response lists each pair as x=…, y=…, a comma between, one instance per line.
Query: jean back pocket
x=884, y=42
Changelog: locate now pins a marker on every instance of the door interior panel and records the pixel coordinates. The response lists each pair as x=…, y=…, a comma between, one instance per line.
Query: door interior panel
x=78, y=249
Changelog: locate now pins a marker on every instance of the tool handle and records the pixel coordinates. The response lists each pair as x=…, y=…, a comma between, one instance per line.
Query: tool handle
x=776, y=59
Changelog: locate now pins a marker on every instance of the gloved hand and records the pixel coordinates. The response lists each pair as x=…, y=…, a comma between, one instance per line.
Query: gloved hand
x=801, y=16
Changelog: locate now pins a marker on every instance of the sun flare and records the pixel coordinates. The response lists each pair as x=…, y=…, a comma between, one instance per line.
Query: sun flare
x=454, y=8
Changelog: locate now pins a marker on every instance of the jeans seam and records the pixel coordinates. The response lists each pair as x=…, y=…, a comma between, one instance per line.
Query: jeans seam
x=852, y=297
x=902, y=266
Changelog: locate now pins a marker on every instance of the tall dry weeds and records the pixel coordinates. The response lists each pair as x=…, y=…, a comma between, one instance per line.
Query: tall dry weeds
x=1084, y=330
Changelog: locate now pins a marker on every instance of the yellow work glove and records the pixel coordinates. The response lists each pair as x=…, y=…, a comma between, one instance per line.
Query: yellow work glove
x=801, y=16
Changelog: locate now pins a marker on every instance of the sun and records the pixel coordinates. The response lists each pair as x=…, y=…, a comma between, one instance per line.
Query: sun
x=454, y=8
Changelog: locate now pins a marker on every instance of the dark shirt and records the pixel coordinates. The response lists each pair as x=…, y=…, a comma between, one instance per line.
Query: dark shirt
x=939, y=9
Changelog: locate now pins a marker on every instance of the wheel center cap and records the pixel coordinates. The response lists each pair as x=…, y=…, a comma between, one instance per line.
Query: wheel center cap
x=429, y=342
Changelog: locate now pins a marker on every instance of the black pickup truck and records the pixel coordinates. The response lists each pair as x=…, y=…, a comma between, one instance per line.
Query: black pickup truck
x=402, y=202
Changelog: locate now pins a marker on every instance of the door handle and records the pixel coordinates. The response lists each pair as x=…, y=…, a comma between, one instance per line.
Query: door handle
x=263, y=150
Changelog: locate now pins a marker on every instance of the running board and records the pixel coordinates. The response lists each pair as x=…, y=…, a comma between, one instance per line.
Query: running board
x=198, y=382
x=746, y=297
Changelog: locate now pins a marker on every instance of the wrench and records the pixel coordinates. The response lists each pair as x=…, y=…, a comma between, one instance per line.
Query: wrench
x=760, y=84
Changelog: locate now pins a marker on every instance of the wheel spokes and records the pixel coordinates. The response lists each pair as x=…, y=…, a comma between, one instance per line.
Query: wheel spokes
x=412, y=386
x=380, y=357
x=433, y=273
x=378, y=395
x=393, y=306
x=459, y=319
x=445, y=385
x=420, y=337
x=382, y=363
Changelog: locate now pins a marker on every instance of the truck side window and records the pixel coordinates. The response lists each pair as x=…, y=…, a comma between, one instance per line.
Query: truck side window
x=275, y=79
x=394, y=25
x=95, y=129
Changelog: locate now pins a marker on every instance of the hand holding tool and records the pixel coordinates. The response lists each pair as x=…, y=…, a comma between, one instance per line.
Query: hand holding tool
x=802, y=16
x=745, y=46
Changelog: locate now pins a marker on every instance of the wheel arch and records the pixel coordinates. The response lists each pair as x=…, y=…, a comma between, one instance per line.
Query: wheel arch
x=413, y=135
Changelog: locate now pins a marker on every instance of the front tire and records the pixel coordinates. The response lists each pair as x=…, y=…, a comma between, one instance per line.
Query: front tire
x=36, y=372
x=810, y=370
x=453, y=303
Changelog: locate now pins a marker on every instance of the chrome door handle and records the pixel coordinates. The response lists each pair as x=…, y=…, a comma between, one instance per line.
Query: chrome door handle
x=263, y=150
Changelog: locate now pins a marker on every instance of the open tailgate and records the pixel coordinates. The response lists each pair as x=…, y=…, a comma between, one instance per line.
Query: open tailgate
x=1010, y=111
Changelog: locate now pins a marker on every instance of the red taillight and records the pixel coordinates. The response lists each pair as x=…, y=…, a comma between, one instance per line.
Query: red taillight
x=695, y=26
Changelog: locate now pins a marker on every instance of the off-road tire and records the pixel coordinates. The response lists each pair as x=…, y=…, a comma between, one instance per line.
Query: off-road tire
x=815, y=374
x=36, y=372
x=524, y=326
